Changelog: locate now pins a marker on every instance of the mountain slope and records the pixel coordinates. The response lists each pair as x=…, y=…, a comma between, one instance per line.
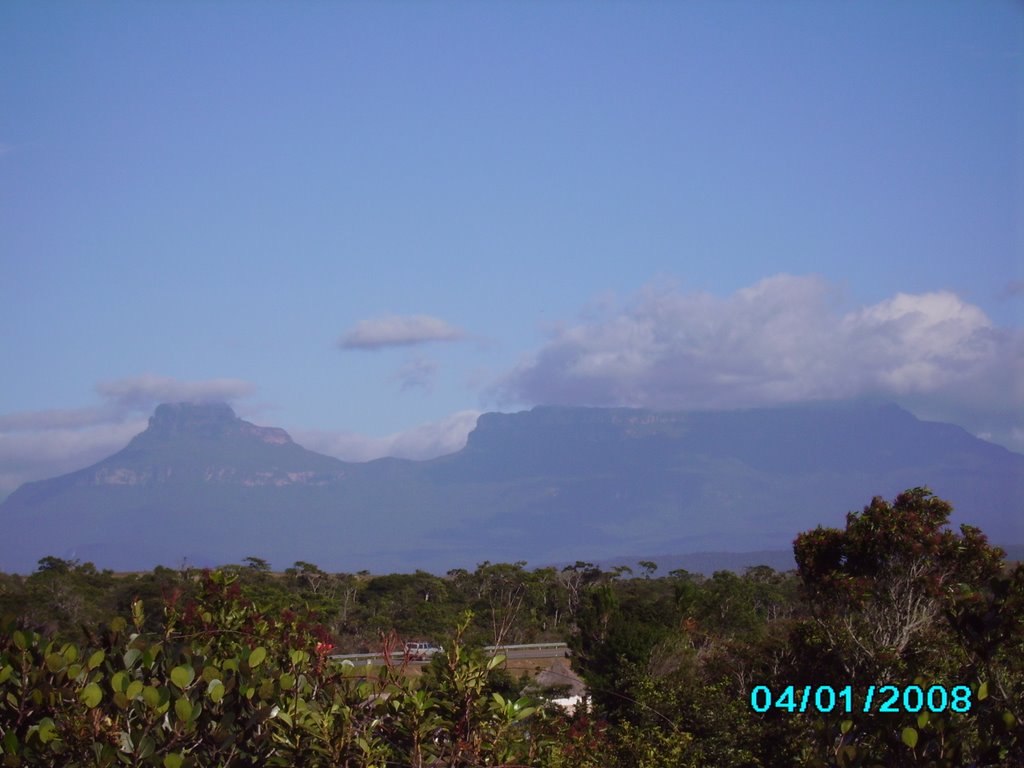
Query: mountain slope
x=734, y=480
x=544, y=485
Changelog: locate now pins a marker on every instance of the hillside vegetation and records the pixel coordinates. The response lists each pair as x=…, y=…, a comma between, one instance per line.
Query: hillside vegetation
x=232, y=667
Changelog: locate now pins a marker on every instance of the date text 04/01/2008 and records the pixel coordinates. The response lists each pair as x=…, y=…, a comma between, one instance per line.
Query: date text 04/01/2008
x=883, y=698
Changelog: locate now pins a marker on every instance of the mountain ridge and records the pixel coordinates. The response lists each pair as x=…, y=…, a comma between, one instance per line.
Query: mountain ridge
x=550, y=484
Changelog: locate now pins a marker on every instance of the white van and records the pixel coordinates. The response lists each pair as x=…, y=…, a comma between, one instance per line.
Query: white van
x=421, y=651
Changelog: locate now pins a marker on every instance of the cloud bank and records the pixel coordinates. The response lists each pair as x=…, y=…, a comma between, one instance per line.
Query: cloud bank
x=399, y=331
x=785, y=339
x=33, y=455
x=425, y=441
x=145, y=391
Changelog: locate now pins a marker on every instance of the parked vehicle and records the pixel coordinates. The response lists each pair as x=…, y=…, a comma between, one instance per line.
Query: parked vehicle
x=421, y=651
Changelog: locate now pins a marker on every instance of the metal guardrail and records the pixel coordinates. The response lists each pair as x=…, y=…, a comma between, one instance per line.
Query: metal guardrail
x=522, y=651
x=364, y=656
x=529, y=651
x=528, y=647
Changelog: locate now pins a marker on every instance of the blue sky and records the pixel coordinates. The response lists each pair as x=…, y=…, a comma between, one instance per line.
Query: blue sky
x=368, y=222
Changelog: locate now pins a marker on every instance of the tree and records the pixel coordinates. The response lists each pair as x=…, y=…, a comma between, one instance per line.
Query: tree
x=882, y=583
x=505, y=586
x=899, y=598
x=649, y=567
x=576, y=578
x=257, y=564
x=51, y=564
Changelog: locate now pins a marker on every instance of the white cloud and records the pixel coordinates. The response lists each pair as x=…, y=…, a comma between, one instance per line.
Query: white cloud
x=57, y=419
x=147, y=390
x=399, y=331
x=425, y=441
x=418, y=373
x=54, y=451
x=784, y=339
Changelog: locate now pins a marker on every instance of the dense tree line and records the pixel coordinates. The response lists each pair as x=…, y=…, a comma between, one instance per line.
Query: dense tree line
x=231, y=667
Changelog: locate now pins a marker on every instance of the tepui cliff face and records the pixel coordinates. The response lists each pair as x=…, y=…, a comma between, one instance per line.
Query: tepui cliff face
x=215, y=421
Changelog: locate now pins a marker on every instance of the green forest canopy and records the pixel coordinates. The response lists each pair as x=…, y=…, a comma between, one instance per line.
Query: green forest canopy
x=232, y=667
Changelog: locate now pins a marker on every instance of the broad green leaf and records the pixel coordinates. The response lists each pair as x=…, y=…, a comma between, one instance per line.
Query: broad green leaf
x=215, y=690
x=845, y=726
x=983, y=691
x=173, y=760
x=55, y=662
x=151, y=653
x=287, y=681
x=922, y=719
x=257, y=656
x=151, y=696
x=183, y=676
x=47, y=730
x=96, y=659
x=909, y=737
x=91, y=695
x=131, y=656
x=134, y=689
x=165, y=702
x=5, y=673
x=119, y=681
x=183, y=709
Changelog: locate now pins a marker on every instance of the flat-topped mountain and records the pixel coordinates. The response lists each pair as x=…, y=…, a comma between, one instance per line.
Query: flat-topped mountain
x=213, y=421
x=827, y=437
x=208, y=443
x=187, y=446
x=546, y=485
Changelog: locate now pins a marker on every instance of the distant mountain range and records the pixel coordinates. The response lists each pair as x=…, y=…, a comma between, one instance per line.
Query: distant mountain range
x=548, y=485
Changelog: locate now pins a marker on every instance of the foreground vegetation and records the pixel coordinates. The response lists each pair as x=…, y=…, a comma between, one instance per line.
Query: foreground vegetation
x=231, y=667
